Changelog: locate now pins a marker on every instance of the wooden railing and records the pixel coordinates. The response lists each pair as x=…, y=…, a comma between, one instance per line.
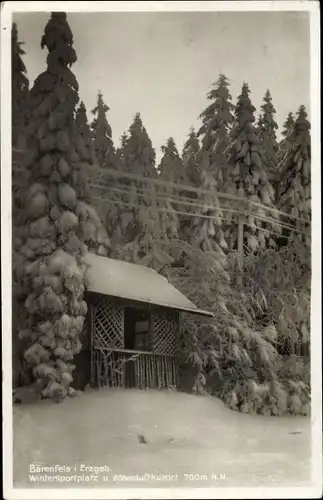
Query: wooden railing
x=137, y=369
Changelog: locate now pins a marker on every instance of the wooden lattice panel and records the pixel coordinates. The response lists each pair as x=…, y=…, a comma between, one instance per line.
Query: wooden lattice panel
x=108, y=324
x=165, y=331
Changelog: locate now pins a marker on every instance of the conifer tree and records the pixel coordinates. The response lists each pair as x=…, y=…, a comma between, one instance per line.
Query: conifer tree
x=120, y=150
x=212, y=166
x=19, y=84
x=171, y=170
x=286, y=141
x=113, y=206
x=141, y=227
x=83, y=145
x=216, y=124
x=267, y=127
x=138, y=152
x=84, y=132
x=189, y=156
x=102, y=135
x=249, y=180
x=206, y=230
x=288, y=126
x=58, y=224
x=295, y=187
x=171, y=165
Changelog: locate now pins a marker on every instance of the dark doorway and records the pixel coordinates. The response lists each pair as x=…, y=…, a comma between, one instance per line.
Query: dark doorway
x=137, y=324
x=136, y=329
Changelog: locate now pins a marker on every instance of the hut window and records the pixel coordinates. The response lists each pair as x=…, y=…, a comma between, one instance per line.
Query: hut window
x=137, y=329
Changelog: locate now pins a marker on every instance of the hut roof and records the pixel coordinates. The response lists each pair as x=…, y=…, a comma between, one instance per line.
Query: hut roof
x=134, y=282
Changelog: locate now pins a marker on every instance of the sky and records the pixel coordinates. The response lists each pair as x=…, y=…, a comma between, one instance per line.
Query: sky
x=163, y=64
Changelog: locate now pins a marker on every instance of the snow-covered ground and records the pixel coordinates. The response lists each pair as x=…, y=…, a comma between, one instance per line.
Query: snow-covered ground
x=194, y=439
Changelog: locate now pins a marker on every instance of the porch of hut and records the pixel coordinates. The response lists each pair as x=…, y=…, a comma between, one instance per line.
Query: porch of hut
x=131, y=332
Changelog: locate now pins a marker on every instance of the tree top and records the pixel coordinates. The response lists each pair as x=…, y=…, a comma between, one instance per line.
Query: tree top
x=58, y=39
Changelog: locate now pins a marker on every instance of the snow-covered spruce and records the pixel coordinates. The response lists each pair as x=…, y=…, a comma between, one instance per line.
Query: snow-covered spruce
x=286, y=142
x=210, y=168
x=83, y=131
x=206, y=231
x=58, y=226
x=217, y=121
x=295, y=187
x=267, y=128
x=248, y=179
x=120, y=150
x=171, y=169
x=106, y=158
x=141, y=229
x=102, y=135
x=189, y=157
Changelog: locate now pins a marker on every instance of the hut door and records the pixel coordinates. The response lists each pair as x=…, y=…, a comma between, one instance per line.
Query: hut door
x=136, y=338
x=129, y=329
x=137, y=329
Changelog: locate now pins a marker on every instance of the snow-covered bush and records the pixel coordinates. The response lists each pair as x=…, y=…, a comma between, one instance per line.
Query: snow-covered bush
x=237, y=356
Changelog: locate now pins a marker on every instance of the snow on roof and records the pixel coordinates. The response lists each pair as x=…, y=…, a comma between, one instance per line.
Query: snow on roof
x=134, y=282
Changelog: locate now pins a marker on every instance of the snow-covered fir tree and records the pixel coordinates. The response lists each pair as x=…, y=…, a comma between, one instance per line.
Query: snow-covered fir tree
x=267, y=127
x=189, y=156
x=171, y=170
x=83, y=131
x=171, y=165
x=107, y=158
x=95, y=189
x=288, y=126
x=102, y=135
x=111, y=198
x=57, y=223
x=135, y=156
x=19, y=84
x=217, y=120
x=141, y=225
x=286, y=141
x=295, y=187
x=82, y=142
x=138, y=152
x=206, y=226
x=249, y=180
x=120, y=149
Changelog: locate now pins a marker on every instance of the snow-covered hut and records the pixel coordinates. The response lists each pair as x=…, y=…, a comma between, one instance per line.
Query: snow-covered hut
x=130, y=337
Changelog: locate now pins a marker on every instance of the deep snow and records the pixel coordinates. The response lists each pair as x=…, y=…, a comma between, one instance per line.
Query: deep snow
x=158, y=432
